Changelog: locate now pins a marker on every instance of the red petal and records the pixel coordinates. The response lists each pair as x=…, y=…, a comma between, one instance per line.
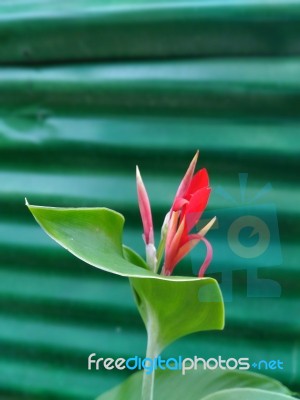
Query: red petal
x=196, y=206
x=200, y=180
x=186, y=181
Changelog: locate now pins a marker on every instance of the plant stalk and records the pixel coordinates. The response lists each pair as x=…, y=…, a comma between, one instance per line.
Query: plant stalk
x=148, y=378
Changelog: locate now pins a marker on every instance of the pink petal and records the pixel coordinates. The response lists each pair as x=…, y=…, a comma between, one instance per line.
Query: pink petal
x=172, y=227
x=186, y=181
x=145, y=209
x=189, y=244
x=179, y=202
x=174, y=247
x=208, y=258
x=171, y=240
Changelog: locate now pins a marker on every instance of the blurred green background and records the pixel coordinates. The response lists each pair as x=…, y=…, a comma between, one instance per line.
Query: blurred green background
x=89, y=89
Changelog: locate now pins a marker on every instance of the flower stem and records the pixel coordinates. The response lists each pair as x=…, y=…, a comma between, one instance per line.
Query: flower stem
x=160, y=253
x=148, y=377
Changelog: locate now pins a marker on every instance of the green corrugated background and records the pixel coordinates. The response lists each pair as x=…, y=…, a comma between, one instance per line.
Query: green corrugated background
x=89, y=89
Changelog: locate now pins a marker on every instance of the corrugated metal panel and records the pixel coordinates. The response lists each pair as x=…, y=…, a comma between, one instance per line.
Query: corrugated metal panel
x=71, y=136
x=32, y=31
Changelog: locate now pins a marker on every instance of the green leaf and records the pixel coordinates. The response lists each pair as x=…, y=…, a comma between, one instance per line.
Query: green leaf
x=247, y=394
x=172, y=308
x=198, y=384
x=134, y=258
x=92, y=234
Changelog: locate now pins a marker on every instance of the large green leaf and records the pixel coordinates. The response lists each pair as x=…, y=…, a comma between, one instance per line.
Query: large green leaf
x=92, y=234
x=196, y=385
x=247, y=394
x=171, y=307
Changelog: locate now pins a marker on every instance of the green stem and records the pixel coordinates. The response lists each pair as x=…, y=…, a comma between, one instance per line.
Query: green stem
x=148, y=378
x=160, y=252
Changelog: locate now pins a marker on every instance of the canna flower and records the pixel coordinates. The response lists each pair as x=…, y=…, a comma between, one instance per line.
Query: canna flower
x=189, y=204
x=167, y=304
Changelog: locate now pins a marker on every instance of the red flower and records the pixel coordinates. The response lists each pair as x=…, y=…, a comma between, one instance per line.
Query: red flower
x=189, y=203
